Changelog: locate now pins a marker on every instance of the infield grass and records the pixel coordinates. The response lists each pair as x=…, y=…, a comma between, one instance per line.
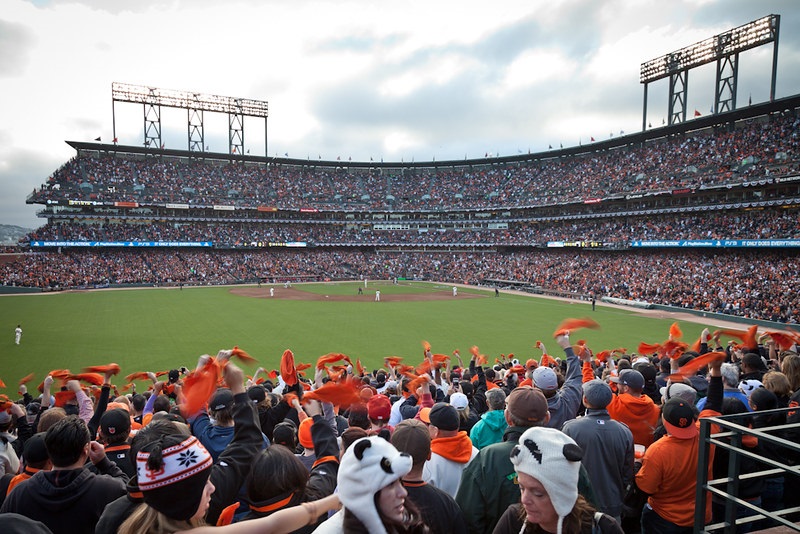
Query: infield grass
x=159, y=329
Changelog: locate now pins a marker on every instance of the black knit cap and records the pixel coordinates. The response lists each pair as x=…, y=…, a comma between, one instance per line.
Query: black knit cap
x=34, y=450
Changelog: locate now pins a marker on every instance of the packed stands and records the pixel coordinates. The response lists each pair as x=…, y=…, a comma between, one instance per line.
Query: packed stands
x=574, y=221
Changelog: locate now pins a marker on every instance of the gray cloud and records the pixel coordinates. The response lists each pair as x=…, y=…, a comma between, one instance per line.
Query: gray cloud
x=15, y=40
x=457, y=114
x=23, y=168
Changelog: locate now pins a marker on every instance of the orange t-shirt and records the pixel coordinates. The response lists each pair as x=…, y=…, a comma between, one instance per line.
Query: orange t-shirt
x=669, y=475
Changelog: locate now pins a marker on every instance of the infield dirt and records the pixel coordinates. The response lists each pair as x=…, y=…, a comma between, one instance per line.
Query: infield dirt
x=368, y=296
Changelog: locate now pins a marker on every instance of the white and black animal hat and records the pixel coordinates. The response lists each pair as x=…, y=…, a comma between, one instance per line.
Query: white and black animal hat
x=554, y=459
x=369, y=465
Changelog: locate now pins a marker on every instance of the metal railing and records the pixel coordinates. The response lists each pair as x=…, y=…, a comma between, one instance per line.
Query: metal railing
x=728, y=435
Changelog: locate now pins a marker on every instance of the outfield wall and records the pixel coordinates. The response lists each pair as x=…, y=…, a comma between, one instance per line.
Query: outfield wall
x=724, y=317
x=699, y=313
x=14, y=290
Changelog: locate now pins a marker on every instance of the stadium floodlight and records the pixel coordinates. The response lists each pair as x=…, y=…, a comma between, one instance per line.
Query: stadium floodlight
x=745, y=37
x=724, y=49
x=140, y=94
x=153, y=98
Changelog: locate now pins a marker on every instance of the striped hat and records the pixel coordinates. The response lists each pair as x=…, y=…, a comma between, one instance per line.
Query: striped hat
x=172, y=474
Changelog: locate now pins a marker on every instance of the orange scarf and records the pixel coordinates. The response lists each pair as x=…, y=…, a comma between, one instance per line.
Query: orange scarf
x=457, y=448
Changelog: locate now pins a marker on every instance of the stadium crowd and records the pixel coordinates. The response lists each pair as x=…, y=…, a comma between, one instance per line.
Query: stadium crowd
x=754, y=284
x=771, y=223
x=755, y=150
x=574, y=442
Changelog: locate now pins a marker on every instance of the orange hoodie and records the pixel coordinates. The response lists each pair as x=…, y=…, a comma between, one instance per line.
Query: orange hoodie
x=639, y=413
x=457, y=448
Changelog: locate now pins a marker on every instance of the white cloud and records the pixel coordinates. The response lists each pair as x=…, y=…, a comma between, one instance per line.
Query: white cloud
x=536, y=67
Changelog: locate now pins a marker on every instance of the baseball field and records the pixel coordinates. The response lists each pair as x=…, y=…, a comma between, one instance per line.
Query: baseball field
x=159, y=329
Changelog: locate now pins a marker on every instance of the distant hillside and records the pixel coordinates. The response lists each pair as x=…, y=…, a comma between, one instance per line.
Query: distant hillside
x=9, y=235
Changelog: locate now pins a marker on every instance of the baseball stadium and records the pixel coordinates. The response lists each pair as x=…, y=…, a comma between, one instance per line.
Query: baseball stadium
x=150, y=257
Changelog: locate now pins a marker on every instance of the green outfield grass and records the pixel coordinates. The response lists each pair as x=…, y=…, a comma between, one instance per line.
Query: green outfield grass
x=158, y=329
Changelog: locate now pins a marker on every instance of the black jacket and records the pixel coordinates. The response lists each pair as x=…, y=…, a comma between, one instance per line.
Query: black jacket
x=67, y=501
x=230, y=471
x=321, y=481
x=118, y=511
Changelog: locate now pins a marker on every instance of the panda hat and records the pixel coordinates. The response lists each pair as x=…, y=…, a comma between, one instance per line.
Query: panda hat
x=554, y=459
x=369, y=465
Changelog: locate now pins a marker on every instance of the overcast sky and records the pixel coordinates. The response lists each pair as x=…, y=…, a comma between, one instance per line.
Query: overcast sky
x=358, y=79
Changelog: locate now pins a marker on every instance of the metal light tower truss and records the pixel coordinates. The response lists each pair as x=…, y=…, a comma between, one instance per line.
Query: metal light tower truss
x=727, y=74
x=196, y=104
x=724, y=49
x=197, y=137
x=236, y=132
x=678, y=92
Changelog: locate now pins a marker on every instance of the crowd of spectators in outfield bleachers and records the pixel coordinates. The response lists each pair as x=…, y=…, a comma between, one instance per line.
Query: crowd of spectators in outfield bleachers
x=755, y=150
x=754, y=284
x=772, y=223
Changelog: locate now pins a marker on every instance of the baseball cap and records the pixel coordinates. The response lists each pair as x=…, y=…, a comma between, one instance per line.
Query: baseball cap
x=648, y=371
x=424, y=415
x=284, y=434
x=221, y=400
x=412, y=437
x=444, y=416
x=257, y=394
x=531, y=363
x=597, y=393
x=677, y=390
x=459, y=401
x=379, y=407
x=544, y=378
x=118, y=405
x=631, y=378
x=678, y=417
x=115, y=422
x=528, y=404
